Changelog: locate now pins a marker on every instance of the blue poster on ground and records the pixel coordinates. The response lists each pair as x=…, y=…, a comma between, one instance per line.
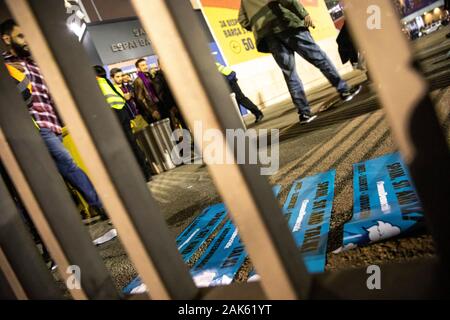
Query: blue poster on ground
x=385, y=202
x=223, y=259
x=308, y=212
x=200, y=229
x=228, y=260
x=203, y=226
x=276, y=190
x=190, y=239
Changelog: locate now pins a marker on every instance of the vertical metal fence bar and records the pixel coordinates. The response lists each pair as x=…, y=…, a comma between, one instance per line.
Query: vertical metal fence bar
x=6, y=292
x=36, y=213
x=409, y=110
x=11, y=277
x=102, y=145
x=28, y=197
x=45, y=195
x=18, y=252
x=203, y=96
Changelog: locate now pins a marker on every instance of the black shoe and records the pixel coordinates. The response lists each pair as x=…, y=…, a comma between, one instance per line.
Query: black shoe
x=351, y=93
x=52, y=266
x=103, y=215
x=259, y=117
x=307, y=118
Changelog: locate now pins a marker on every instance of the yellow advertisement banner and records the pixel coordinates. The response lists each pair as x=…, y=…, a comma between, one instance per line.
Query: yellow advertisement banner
x=237, y=44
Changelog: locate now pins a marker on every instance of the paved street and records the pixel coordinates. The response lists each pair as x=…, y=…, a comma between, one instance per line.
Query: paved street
x=341, y=136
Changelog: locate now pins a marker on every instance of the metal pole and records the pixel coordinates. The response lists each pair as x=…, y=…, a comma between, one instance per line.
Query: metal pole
x=6, y=292
x=28, y=274
x=11, y=277
x=409, y=110
x=45, y=196
x=102, y=144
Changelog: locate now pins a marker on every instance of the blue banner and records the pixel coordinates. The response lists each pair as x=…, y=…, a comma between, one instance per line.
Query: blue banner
x=220, y=263
x=190, y=239
x=196, y=234
x=223, y=258
x=203, y=226
x=385, y=202
x=200, y=229
x=308, y=211
x=134, y=287
x=276, y=190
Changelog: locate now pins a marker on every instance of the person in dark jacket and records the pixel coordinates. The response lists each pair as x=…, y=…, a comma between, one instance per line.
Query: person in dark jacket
x=282, y=28
x=145, y=95
x=347, y=50
x=168, y=104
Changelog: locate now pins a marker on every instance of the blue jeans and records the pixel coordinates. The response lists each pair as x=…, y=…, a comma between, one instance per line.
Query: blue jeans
x=67, y=167
x=283, y=47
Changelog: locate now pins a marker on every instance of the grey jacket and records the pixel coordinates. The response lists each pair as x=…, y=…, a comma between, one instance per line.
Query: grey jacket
x=267, y=17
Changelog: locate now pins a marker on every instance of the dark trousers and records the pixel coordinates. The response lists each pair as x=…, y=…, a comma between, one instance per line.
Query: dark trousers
x=146, y=115
x=138, y=154
x=283, y=47
x=242, y=99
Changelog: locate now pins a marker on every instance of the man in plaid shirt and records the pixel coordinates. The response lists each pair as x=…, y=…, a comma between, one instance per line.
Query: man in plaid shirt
x=43, y=110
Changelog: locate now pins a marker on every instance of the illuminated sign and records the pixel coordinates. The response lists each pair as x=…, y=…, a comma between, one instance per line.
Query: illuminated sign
x=78, y=18
x=120, y=40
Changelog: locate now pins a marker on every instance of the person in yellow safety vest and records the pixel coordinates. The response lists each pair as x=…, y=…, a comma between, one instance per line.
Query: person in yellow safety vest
x=241, y=99
x=117, y=102
x=116, y=76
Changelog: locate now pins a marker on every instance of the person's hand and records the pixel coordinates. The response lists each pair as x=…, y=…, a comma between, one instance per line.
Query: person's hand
x=309, y=22
x=156, y=115
x=127, y=96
